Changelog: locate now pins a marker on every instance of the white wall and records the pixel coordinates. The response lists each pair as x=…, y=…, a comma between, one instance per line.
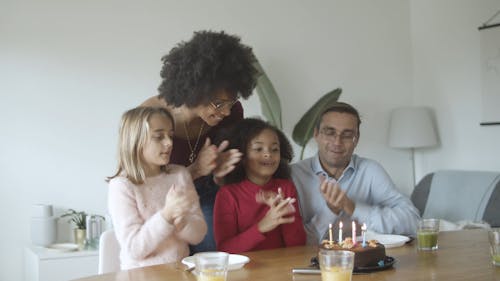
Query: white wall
x=68, y=69
x=446, y=60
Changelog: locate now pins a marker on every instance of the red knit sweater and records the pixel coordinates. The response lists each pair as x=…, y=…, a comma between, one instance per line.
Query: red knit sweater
x=236, y=215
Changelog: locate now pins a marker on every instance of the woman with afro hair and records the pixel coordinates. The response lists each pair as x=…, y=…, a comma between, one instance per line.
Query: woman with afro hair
x=202, y=81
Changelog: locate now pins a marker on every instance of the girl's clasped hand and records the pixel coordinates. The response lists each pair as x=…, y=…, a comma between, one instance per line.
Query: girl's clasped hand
x=280, y=212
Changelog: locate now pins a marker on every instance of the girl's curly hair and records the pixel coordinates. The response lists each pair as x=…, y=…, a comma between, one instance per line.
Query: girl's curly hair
x=241, y=134
x=193, y=70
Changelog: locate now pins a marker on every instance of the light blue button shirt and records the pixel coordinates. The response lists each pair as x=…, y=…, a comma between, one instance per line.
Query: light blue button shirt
x=377, y=201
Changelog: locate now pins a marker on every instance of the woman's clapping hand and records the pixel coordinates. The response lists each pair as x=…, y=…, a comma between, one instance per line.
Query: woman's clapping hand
x=205, y=162
x=213, y=159
x=226, y=160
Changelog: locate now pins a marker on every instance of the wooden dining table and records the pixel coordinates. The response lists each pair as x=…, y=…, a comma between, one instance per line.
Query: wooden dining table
x=462, y=255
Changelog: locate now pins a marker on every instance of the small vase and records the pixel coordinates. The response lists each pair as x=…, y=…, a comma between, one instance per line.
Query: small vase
x=80, y=235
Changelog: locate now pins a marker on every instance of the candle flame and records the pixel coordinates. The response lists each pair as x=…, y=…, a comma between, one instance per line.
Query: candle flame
x=340, y=225
x=363, y=227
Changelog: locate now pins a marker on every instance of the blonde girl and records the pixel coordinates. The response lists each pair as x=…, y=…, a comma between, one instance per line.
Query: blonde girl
x=153, y=204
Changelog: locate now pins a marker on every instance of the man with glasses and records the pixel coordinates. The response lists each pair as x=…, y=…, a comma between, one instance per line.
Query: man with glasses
x=336, y=185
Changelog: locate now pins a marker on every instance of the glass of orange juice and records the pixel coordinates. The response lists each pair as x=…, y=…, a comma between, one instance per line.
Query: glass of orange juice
x=336, y=265
x=211, y=266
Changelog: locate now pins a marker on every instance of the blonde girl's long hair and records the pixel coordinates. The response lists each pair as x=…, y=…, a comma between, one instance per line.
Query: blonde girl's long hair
x=133, y=135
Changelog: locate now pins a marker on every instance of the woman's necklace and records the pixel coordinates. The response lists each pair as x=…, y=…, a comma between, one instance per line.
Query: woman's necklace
x=192, y=155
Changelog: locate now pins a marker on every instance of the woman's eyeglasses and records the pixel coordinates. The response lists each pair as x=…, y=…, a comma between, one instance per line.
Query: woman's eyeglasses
x=221, y=105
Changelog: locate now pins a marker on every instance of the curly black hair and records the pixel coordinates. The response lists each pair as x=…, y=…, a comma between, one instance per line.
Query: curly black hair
x=193, y=70
x=240, y=135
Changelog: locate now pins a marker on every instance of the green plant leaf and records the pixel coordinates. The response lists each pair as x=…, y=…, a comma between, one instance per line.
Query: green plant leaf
x=304, y=129
x=269, y=99
x=78, y=218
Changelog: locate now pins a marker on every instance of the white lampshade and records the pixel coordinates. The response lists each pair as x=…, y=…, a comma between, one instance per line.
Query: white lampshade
x=412, y=127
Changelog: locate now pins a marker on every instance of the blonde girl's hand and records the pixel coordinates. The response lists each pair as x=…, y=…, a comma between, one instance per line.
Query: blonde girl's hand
x=178, y=202
x=205, y=162
x=276, y=215
x=226, y=160
x=180, y=223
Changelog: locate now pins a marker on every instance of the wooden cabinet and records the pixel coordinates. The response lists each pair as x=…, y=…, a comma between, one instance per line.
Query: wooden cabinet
x=42, y=264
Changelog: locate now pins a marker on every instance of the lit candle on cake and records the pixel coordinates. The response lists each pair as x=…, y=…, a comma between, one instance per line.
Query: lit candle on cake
x=363, y=233
x=354, y=233
x=340, y=232
x=330, y=234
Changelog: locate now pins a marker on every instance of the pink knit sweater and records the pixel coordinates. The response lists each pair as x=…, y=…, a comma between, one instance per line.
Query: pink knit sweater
x=144, y=235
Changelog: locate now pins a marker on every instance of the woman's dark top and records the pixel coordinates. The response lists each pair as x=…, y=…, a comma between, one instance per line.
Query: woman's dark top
x=205, y=186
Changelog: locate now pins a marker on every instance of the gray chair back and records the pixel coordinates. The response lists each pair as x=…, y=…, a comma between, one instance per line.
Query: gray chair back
x=459, y=195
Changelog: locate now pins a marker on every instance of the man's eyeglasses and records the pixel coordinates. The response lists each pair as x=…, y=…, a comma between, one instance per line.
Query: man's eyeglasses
x=221, y=105
x=345, y=137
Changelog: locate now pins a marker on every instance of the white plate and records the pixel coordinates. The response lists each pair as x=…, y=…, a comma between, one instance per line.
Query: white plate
x=388, y=240
x=63, y=247
x=235, y=261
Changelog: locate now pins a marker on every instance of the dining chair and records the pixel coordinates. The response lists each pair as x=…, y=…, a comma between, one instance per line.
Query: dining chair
x=456, y=195
x=109, y=253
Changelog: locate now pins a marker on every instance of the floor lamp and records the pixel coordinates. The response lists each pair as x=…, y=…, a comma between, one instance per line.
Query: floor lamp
x=412, y=127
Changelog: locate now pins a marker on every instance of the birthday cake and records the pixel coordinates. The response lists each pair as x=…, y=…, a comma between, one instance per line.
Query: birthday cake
x=372, y=254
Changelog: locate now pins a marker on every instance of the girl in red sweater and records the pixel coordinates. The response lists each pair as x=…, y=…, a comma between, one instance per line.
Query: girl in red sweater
x=257, y=207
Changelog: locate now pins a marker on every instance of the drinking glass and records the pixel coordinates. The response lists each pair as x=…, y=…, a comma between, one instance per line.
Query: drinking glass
x=494, y=237
x=336, y=265
x=427, y=234
x=211, y=266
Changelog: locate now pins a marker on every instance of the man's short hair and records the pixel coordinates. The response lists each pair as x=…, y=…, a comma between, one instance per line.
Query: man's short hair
x=340, y=107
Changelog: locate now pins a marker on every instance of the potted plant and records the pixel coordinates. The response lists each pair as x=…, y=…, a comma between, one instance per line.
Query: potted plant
x=271, y=109
x=79, y=220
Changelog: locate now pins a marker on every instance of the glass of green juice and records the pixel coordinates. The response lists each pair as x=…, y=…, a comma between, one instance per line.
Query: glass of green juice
x=427, y=234
x=494, y=237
